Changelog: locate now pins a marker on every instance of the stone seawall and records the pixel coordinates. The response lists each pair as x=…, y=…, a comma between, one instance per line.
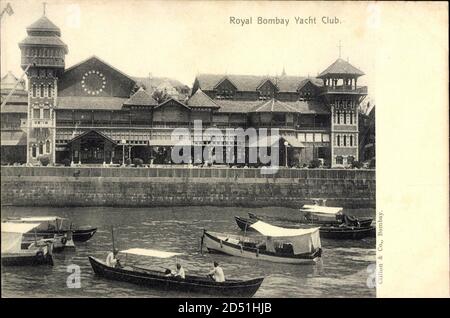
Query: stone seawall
x=138, y=187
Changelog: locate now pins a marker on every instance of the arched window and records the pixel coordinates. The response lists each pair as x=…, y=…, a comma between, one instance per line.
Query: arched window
x=33, y=151
x=42, y=90
x=345, y=140
x=339, y=160
x=338, y=140
x=351, y=118
x=47, y=146
x=50, y=90
x=34, y=90
x=351, y=141
x=41, y=148
x=350, y=159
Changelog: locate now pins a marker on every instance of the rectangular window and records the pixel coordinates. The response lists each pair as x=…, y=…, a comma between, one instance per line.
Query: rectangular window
x=36, y=113
x=41, y=148
x=325, y=138
x=301, y=137
x=309, y=137
x=33, y=151
x=46, y=113
x=318, y=137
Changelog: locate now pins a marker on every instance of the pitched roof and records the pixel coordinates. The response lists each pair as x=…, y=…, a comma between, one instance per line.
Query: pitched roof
x=95, y=132
x=173, y=100
x=252, y=82
x=309, y=107
x=340, y=67
x=94, y=57
x=234, y=106
x=90, y=102
x=43, y=24
x=141, y=98
x=200, y=99
x=274, y=106
x=9, y=82
x=47, y=40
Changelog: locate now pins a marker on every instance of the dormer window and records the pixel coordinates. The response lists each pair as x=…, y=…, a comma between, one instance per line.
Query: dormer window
x=267, y=90
x=225, y=89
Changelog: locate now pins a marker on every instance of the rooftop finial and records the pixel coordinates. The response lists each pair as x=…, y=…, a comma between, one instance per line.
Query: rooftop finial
x=44, y=5
x=340, y=47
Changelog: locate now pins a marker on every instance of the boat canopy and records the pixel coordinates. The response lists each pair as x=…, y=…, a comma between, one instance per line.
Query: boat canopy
x=12, y=235
x=39, y=219
x=318, y=209
x=150, y=252
x=303, y=240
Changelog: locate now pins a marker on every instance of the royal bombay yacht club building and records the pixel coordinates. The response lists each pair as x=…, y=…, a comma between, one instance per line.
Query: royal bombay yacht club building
x=92, y=112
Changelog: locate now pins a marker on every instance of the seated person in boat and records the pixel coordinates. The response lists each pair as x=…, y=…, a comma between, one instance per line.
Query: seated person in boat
x=179, y=272
x=111, y=259
x=217, y=273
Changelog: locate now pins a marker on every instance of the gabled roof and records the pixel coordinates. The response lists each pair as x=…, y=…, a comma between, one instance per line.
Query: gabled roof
x=233, y=106
x=172, y=100
x=250, y=83
x=92, y=131
x=141, y=98
x=223, y=80
x=274, y=106
x=200, y=99
x=266, y=80
x=43, y=24
x=306, y=81
x=93, y=57
x=341, y=67
x=9, y=81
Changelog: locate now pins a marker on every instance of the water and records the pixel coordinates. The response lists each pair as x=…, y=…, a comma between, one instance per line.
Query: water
x=342, y=272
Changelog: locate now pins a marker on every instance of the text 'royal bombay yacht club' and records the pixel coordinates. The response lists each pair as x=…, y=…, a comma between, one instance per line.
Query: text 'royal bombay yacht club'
x=93, y=113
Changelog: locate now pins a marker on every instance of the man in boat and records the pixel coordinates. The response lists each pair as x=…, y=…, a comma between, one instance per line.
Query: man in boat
x=111, y=259
x=217, y=273
x=179, y=272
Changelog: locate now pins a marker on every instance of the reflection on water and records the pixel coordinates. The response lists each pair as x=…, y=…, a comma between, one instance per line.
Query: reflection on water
x=341, y=273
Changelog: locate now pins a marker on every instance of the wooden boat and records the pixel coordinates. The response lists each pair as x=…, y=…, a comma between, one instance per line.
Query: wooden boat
x=50, y=230
x=58, y=225
x=327, y=231
x=12, y=254
x=158, y=280
x=280, y=245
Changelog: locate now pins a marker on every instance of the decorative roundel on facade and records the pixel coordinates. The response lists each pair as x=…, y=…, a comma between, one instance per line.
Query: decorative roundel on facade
x=93, y=82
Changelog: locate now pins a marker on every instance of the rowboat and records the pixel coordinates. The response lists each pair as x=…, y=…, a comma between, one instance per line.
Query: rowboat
x=327, y=231
x=280, y=245
x=12, y=254
x=54, y=225
x=159, y=280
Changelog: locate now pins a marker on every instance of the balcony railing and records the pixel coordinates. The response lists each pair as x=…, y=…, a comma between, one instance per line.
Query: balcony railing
x=345, y=90
x=41, y=123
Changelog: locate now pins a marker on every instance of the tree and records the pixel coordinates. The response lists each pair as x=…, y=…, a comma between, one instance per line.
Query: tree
x=160, y=96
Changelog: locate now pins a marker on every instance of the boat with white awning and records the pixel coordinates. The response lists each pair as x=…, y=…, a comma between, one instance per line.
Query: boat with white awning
x=12, y=253
x=278, y=244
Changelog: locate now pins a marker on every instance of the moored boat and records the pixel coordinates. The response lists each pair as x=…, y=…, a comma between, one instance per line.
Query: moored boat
x=161, y=281
x=280, y=245
x=327, y=231
x=54, y=225
x=12, y=254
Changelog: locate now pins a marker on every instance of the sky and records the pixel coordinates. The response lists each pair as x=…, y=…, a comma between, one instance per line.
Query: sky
x=181, y=39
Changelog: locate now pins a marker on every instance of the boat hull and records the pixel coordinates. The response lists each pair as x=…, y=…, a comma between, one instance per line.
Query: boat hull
x=327, y=232
x=191, y=284
x=27, y=258
x=217, y=245
x=80, y=235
